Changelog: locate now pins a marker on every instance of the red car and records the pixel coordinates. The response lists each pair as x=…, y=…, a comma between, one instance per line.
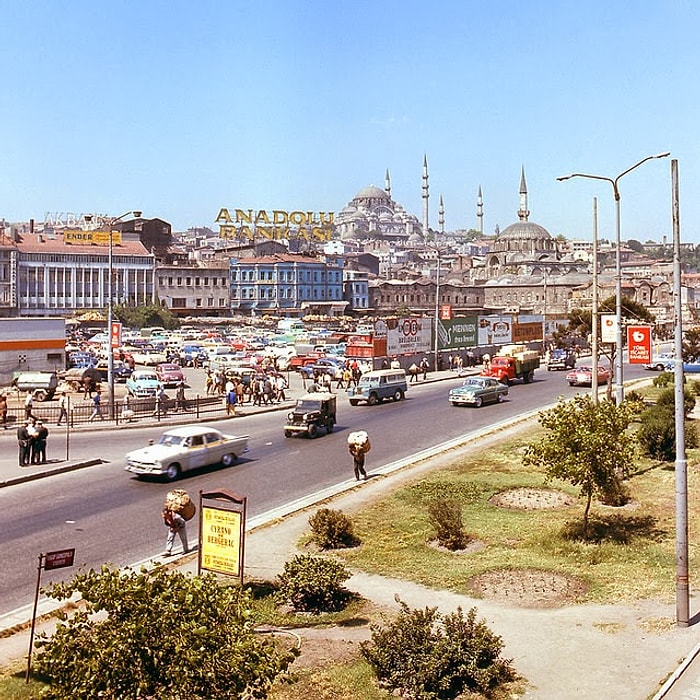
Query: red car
x=583, y=376
x=169, y=374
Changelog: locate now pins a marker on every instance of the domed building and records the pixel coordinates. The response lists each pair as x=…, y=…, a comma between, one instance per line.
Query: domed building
x=372, y=213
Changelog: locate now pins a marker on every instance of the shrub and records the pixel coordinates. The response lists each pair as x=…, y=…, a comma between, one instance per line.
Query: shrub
x=422, y=655
x=331, y=529
x=446, y=517
x=663, y=379
x=667, y=399
x=657, y=433
x=313, y=584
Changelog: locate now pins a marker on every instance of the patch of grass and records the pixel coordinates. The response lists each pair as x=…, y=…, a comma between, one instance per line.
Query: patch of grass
x=13, y=687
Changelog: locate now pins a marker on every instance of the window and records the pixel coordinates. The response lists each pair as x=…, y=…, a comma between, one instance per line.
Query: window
x=189, y=282
x=214, y=281
x=198, y=302
x=210, y=302
x=179, y=281
x=206, y=280
x=179, y=303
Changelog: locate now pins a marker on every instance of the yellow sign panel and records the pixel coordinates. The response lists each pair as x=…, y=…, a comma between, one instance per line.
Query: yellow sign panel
x=80, y=237
x=222, y=537
x=247, y=224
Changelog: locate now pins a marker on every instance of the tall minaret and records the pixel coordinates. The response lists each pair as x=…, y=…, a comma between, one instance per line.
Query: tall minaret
x=480, y=211
x=425, y=196
x=441, y=216
x=523, y=212
x=387, y=183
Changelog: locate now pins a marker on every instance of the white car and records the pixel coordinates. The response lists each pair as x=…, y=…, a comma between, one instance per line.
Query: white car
x=661, y=361
x=185, y=448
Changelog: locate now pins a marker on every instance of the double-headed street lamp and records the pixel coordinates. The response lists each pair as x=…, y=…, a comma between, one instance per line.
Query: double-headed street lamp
x=619, y=386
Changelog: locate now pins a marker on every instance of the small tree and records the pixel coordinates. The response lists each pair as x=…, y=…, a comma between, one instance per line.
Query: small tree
x=586, y=445
x=331, y=529
x=159, y=635
x=313, y=584
x=445, y=516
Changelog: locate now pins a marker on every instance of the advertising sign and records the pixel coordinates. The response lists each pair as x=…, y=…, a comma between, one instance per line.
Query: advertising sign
x=526, y=332
x=457, y=333
x=408, y=336
x=222, y=535
x=639, y=344
x=81, y=237
x=115, y=334
x=446, y=312
x=495, y=330
x=608, y=328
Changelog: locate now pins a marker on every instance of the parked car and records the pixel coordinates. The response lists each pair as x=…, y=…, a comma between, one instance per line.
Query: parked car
x=476, y=391
x=42, y=384
x=312, y=411
x=143, y=383
x=148, y=356
x=660, y=361
x=583, y=376
x=169, y=374
x=185, y=448
x=561, y=358
x=191, y=353
x=120, y=369
x=81, y=359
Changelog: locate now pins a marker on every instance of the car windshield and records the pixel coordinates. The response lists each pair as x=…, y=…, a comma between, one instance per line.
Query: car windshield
x=474, y=383
x=308, y=405
x=170, y=440
x=369, y=381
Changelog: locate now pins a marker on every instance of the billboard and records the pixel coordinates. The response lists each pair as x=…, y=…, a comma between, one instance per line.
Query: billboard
x=408, y=336
x=495, y=330
x=639, y=344
x=457, y=333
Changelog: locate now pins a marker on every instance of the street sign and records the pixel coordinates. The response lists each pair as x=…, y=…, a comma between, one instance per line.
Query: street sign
x=639, y=345
x=59, y=559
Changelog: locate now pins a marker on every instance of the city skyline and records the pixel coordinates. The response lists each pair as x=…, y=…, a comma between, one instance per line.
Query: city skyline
x=179, y=110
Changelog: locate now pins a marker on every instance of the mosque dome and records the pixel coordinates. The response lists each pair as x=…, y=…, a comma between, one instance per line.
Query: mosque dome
x=525, y=230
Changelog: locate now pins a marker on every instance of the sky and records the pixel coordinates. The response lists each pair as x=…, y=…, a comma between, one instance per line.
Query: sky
x=179, y=109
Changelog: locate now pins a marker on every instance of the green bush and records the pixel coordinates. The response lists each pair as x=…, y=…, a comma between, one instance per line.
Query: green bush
x=424, y=656
x=313, y=584
x=446, y=517
x=667, y=399
x=663, y=379
x=331, y=529
x=657, y=433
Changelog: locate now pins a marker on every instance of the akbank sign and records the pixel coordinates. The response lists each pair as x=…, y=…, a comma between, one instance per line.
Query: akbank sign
x=248, y=224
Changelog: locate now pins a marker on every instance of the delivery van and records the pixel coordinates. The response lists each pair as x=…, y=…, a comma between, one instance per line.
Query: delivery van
x=378, y=385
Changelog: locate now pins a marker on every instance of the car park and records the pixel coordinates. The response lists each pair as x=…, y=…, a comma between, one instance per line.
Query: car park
x=476, y=391
x=378, y=385
x=143, y=383
x=148, y=356
x=186, y=448
x=169, y=374
x=583, y=376
x=191, y=354
x=121, y=371
x=312, y=412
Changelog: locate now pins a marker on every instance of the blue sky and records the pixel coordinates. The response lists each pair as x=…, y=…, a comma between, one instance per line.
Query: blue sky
x=180, y=108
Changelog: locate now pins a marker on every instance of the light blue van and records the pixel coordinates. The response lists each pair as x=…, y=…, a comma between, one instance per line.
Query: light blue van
x=378, y=385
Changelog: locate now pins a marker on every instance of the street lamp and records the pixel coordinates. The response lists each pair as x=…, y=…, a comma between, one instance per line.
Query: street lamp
x=619, y=386
x=110, y=307
x=437, y=313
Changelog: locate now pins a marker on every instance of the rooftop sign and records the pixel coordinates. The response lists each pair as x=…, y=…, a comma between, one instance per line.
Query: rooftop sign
x=274, y=225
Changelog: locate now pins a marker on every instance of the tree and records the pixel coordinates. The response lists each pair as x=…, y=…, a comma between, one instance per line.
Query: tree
x=587, y=445
x=149, y=315
x=158, y=635
x=635, y=245
x=691, y=345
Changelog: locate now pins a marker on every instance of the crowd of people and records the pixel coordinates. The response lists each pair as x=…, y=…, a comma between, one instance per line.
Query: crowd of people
x=32, y=436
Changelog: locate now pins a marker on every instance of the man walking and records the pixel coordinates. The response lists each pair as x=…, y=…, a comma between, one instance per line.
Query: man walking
x=96, y=407
x=63, y=408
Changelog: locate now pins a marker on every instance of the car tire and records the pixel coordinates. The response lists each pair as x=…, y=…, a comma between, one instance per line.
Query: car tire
x=398, y=395
x=478, y=401
x=454, y=403
x=373, y=399
x=228, y=459
x=287, y=433
x=172, y=473
x=353, y=403
x=330, y=426
x=313, y=431
x=500, y=398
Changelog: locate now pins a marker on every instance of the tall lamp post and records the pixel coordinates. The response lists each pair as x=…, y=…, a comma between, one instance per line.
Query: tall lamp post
x=110, y=307
x=619, y=385
x=437, y=313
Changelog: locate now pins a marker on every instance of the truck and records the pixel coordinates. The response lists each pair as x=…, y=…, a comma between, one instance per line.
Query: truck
x=513, y=362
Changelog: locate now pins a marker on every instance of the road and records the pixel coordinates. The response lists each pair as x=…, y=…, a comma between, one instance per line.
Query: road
x=111, y=517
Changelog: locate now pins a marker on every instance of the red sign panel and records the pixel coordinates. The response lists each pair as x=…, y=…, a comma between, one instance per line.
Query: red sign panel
x=59, y=559
x=639, y=344
x=115, y=334
x=445, y=312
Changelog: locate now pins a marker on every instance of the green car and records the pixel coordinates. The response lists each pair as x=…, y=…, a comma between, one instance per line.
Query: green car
x=476, y=391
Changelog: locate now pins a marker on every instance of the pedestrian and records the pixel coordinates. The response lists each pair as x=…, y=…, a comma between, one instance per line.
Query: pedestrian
x=161, y=407
x=3, y=411
x=385, y=363
x=38, y=446
x=209, y=383
x=28, y=406
x=231, y=400
x=63, y=404
x=176, y=525
x=359, y=446
x=23, y=442
x=127, y=412
x=180, y=397
x=413, y=372
x=96, y=407
x=395, y=364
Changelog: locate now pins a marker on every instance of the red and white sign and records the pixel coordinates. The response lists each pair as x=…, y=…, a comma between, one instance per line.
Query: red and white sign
x=115, y=334
x=446, y=312
x=608, y=328
x=639, y=344
x=59, y=559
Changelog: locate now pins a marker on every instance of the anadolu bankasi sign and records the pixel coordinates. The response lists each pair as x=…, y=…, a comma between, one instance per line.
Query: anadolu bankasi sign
x=248, y=224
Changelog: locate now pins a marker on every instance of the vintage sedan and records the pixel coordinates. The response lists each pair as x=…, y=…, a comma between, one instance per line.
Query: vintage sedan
x=143, y=383
x=185, y=448
x=583, y=376
x=169, y=374
x=476, y=391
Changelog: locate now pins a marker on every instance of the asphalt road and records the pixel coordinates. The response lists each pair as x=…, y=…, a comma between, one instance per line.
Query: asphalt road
x=111, y=517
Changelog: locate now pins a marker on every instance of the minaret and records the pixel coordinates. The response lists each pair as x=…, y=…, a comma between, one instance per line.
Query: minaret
x=441, y=216
x=480, y=212
x=425, y=196
x=387, y=183
x=523, y=213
